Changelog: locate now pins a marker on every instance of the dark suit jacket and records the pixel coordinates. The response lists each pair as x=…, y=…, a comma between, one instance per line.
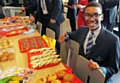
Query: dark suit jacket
x=105, y=52
x=31, y=6
x=109, y=6
x=54, y=8
x=2, y=3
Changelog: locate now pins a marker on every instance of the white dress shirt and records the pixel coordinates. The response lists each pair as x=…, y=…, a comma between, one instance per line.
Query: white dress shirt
x=43, y=6
x=96, y=33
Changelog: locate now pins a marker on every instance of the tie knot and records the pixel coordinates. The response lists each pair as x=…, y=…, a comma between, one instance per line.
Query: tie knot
x=92, y=33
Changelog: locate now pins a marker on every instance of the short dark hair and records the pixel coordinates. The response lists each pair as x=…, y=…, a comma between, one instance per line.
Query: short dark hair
x=93, y=4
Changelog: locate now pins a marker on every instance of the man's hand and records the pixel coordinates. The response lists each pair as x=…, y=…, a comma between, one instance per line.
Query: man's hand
x=65, y=4
x=20, y=12
x=32, y=19
x=93, y=65
x=62, y=38
x=52, y=21
x=23, y=8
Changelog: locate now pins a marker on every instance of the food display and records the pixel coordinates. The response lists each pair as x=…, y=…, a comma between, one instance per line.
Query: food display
x=26, y=44
x=6, y=50
x=6, y=44
x=26, y=20
x=15, y=32
x=12, y=79
x=8, y=20
x=50, y=41
x=16, y=74
x=43, y=57
x=11, y=26
x=6, y=55
x=67, y=77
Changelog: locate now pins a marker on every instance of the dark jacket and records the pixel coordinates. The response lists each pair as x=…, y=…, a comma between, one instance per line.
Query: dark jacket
x=54, y=8
x=105, y=52
x=109, y=6
x=31, y=6
x=1, y=11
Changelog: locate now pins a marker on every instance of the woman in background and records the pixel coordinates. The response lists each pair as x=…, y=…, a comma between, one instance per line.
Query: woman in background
x=81, y=5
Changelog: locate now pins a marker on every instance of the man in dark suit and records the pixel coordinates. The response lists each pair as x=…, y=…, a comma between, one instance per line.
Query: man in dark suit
x=30, y=6
x=49, y=13
x=110, y=13
x=1, y=11
x=105, y=50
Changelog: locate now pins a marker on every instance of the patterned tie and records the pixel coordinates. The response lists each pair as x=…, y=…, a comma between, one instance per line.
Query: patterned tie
x=43, y=6
x=90, y=43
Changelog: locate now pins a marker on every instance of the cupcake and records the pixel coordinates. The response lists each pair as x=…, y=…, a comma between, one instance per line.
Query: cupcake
x=52, y=77
x=60, y=74
x=41, y=80
x=68, y=78
x=56, y=81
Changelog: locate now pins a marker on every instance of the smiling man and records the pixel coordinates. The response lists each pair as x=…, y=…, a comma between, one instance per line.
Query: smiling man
x=97, y=44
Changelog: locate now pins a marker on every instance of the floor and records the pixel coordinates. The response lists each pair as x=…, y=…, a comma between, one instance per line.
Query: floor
x=65, y=27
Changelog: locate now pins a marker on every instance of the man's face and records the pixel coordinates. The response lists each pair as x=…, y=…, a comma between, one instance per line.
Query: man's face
x=93, y=17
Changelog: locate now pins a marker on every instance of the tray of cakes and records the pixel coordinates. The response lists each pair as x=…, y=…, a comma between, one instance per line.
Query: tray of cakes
x=42, y=58
x=9, y=20
x=14, y=32
x=35, y=42
x=6, y=50
x=25, y=19
x=62, y=76
x=17, y=75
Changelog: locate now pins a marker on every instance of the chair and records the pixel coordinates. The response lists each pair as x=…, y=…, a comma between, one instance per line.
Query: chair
x=64, y=47
x=50, y=33
x=85, y=74
x=39, y=25
x=69, y=52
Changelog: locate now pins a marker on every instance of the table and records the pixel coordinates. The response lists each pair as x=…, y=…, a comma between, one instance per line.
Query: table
x=20, y=59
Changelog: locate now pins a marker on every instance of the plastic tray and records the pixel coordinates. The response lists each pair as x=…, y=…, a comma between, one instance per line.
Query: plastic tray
x=29, y=55
x=15, y=32
x=75, y=80
x=1, y=33
x=38, y=45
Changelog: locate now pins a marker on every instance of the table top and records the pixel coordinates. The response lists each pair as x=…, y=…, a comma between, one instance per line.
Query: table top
x=20, y=59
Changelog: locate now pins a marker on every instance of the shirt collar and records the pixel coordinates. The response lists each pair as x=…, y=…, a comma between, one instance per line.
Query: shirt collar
x=96, y=32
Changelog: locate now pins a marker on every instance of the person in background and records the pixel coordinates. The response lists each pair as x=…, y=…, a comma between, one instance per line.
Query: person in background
x=49, y=13
x=119, y=19
x=110, y=13
x=30, y=7
x=1, y=11
x=81, y=5
x=100, y=46
x=71, y=13
x=2, y=3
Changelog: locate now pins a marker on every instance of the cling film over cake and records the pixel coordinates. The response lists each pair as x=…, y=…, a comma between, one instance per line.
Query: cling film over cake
x=17, y=75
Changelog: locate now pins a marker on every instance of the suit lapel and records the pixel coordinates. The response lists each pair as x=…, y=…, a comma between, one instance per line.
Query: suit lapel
x=83, y=37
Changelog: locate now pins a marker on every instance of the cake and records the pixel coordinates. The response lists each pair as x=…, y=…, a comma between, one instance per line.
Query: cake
x=68, y=78
x=56, y=81
x=41, y=80
x=60, y=74
x=52, y=77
